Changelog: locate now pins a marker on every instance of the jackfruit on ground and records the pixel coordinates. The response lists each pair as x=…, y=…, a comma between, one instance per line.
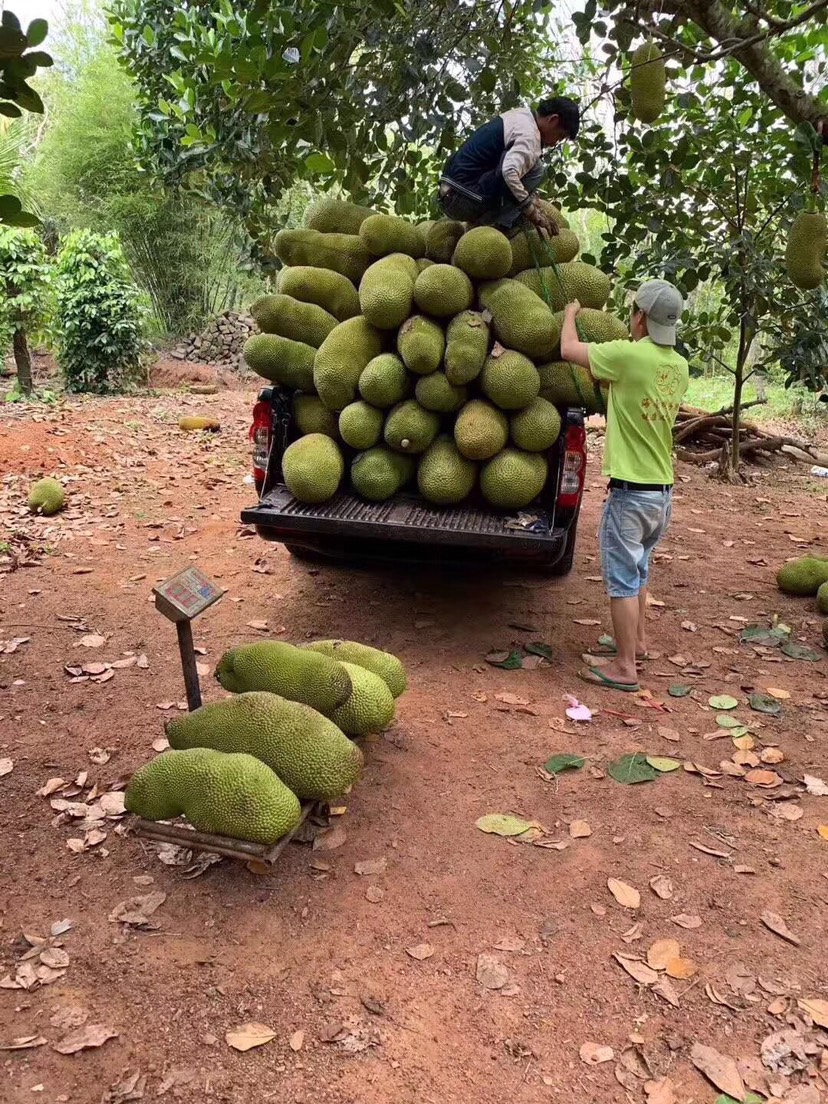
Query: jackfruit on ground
x=520, y=319
x=567, y=384
x=289, y=317
x=806, y=250
x=341, y=359
x=384, y=234
x=442, y=239
x=384, y=664
x=802, y=576
x=648, y=79
x=378, y=473
x=370, y=707
x=327, y=289
x=527, y=251
x=280, y=668
x=410, y=428
x=481, y=430
x=443, y=291
x=467, y=343
x=597, y=325
x=434, y=392
x=536, y=427
x=509, y=379
x=199, y=421
x=822, y=598
x=575, y=280
x=444, y=475
x=232, y=795
x=281, y=360
x=386, y=292
x=483, y=253
x=46, y=497
x=306, y=750
x=312, y=416
x=384, y=381
x=343, y=253
x=360, y=425
x=336, y=216
x=312, y=468
x=512, y=479
x=421, y=344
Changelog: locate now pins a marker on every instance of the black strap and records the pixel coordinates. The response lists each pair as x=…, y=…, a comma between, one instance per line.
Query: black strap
x=626, y=485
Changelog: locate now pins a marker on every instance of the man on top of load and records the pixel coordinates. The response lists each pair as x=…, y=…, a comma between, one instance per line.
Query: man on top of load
x=493, y=177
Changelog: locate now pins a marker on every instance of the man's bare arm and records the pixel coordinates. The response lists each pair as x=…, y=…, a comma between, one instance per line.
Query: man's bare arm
x=572, y=348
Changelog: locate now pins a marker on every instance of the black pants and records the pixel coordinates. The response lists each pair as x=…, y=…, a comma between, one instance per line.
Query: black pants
x=489, y=201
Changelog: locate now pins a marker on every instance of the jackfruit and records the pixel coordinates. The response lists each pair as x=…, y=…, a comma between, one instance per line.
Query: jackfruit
x=386, y=292
x=422, y=264
x=312, y=416
x=483, y=253
x=199, y=421
x=384, y=234
x=336, y=216
x=443, y=291
x=444, y=475
x=467, y=343
x=512, y=479
x=822, y=598
x=283, y=669
x=803, y=576
x=648, y=79
x=370, y=707
x=509, y=379
x=46, y=497
x=481, y=430
x=312, y=468
x=597, y=325
x=410, y=428
x=422, y=229
x=537, y=427
x=360, y=425
x=227, y=795
x=306, y=750
x=379, y=473
x=806, y=250
x=343, y=253
x=434, y=392
x=532, y=249
x=565, y=384
x=327, y=289
x=554, y=212
x=281, y=360
x=442, y=239
x=575, y=280
x=340, y=361
x=520, y=319
x=384, y=381
x=384, y=664
x=421, y=344
x=289, y=317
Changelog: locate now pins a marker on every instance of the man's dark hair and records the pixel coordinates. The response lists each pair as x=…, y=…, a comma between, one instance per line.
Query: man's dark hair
x=567, y=111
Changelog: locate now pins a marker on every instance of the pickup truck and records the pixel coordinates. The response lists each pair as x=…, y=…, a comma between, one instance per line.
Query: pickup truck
x=406, y=527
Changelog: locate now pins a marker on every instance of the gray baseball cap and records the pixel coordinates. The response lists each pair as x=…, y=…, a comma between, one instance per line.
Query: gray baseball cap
x=663, y=304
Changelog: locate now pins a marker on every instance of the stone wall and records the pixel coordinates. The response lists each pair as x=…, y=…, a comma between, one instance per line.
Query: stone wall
x=221, y=341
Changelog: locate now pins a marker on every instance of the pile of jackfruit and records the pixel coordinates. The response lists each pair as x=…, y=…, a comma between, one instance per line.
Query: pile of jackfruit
x=807, y=576
x=242, y=766
x=425, y=354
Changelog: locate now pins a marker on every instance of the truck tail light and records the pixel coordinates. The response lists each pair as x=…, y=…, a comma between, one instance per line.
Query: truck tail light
x=574, y=468
x=261, y=435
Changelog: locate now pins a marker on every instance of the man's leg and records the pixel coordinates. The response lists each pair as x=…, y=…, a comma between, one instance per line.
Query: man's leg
x=641, y=637
x=625, y=617
x=505, y=213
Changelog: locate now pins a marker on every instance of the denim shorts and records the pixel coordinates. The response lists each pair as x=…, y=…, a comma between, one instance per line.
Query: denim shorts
x=632, y=525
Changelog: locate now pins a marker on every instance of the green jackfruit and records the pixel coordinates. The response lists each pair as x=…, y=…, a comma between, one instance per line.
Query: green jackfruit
x=336, y=216
x=537, y=427
x=46, y=497
x=806, y=250
x=648, y=80
x=421, y=344
x=553, y=212
x=281, y=360
x=434, y=392
x=384, y=381
x=444, y=475
x=386, y=292
x=565, y=384
x=343, y=253
x=422, y=264
x=483, y=253
x=422, y=229
x=384, y=234
x=512, y=479
x=467, y=343
x=341, y=359
x=312, y=468
x=379, y=473
x=312, y=416
x=443, y=291
x=227, y=795
x=509, y=379
x=803, y=576
x=822, y=598
x=529, y=246
x=597, y=325
x=370, y=707
x=442, y=239
x=520, y=319
x=289, y=317
x=360, y=425
x=283, y=669
x=575, y=280
x=306, y=750
x=384, y=664
x=410, y=428
x=330, y=290
x=481, y=430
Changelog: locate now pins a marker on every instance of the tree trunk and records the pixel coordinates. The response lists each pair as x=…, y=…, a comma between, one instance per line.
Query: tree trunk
x=23, y=360
x=738, y=385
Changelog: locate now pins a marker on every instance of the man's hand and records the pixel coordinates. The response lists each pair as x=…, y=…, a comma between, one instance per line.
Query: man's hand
x=546, y=227
x=572, y=309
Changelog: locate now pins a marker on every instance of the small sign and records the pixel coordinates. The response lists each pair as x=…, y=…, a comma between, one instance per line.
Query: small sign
x=186, y=595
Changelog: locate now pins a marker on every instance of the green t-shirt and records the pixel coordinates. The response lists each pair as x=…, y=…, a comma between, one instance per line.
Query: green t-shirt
x=647, y=383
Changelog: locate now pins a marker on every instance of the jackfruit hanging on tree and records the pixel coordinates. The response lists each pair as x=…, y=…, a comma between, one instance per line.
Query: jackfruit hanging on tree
x=805, y=254
x=648, y=82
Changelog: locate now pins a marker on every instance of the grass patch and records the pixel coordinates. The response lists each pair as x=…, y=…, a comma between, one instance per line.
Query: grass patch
x=793, y=405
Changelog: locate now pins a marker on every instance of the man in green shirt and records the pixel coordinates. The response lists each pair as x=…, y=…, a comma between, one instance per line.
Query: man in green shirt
x=647, y=380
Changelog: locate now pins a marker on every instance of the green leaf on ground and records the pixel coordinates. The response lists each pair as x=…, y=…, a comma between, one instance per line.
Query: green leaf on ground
x=538, y=648
x=678, y=691
x=800, y=651
x=722, y=701
x=751, y=1098
x=768, y=638
x=630, y=769
x=501, y=824
x=563, y=762
x=762, y=703
x=663, y=764
x=606, y=641
x=724, y=720
x=506, y=661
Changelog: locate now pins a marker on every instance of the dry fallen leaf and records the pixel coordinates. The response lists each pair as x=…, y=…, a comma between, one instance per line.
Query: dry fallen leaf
x=6, y=766
x=662, y=886
x=665, y=989
x=374, y=894
x=816, y=1008
x=579, y=829
x=371, y=866
x=296, y=1041
x=137, y=910
x=421, y=951
x=491, y=972
x=249, y=1035
x=660, y=1092
x=681, y=968
x=511, y=699
x=668, y=734
x=815, y=786
x=662, y=952
x=24, y=1042
x=687, y=920
x=778, y=926
x=771, y=756
x=786, y=811
x=84, y=1038
x=636, y=968
x=719, y=1069
x=764, y=778
x=625, y=895
x=593, y=1054
x=780, y=695
x=92, y=640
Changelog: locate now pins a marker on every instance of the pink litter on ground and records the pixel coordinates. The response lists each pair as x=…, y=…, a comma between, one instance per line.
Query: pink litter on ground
x=577, y=711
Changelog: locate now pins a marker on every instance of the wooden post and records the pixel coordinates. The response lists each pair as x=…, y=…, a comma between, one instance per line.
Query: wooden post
x=188, y=663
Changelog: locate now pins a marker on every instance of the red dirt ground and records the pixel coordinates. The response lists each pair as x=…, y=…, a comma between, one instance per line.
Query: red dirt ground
x=304, y=949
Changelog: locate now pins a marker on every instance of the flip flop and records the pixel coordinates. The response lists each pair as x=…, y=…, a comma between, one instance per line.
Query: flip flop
x=600, y=679
x=607, y=647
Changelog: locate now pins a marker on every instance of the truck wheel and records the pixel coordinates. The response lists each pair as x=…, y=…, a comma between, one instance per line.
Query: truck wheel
x=564, y=564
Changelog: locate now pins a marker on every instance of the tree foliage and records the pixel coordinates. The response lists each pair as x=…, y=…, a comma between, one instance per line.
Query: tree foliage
x=24, y=295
